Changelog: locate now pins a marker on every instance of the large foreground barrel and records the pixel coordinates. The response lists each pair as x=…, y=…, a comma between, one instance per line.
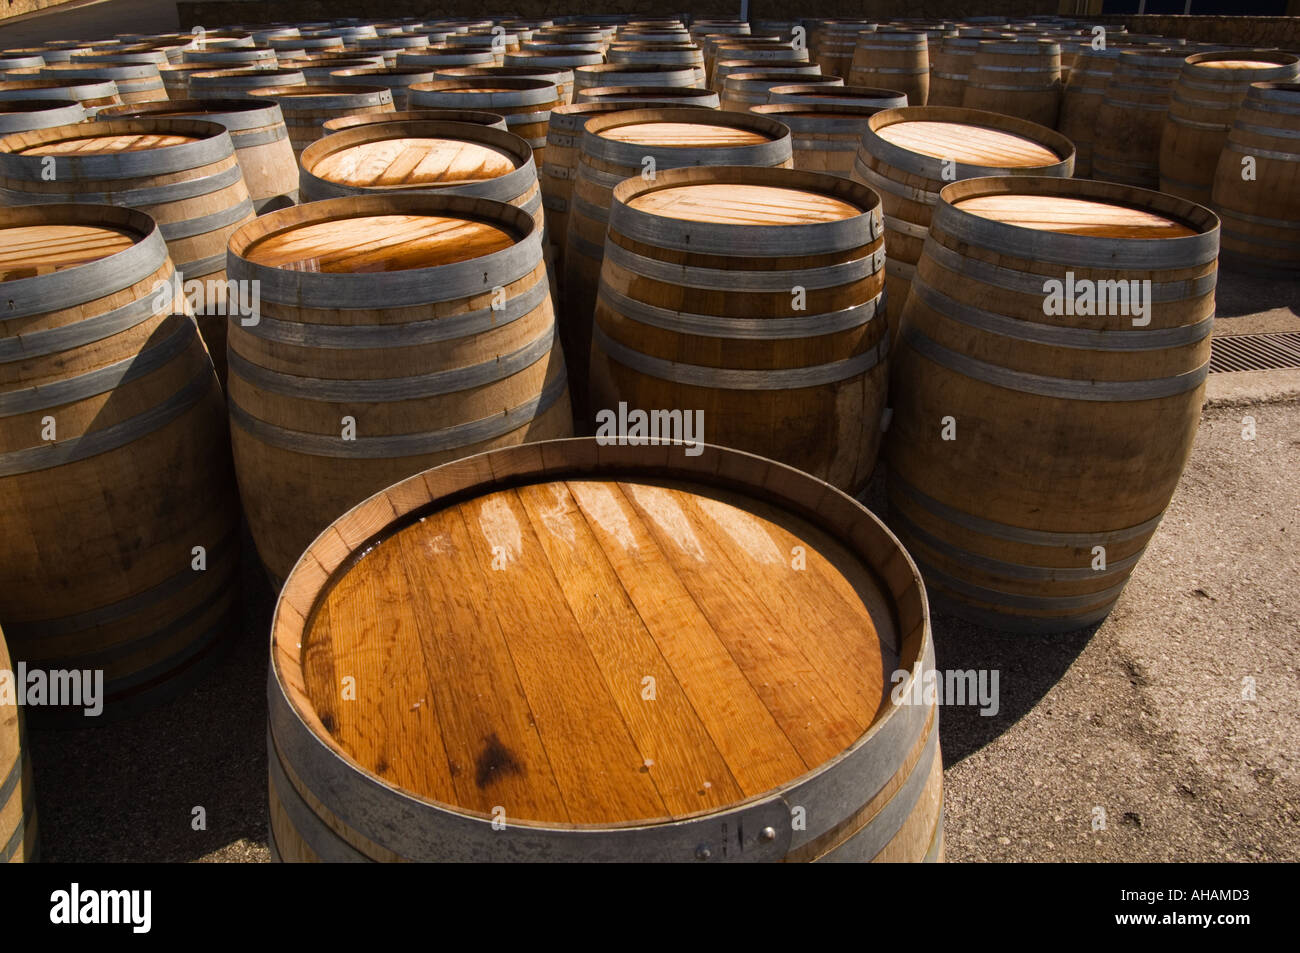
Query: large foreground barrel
x=397, y=333
x=1046, y=392
x=752, y=296
x=549, y=592
x=117, y=508
x=18, y=832
x=1255, y=188
x=907, y=155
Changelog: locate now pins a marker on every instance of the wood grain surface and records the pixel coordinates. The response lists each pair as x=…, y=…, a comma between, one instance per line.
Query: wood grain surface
x=44, y=249
x=733, y=204
x=1075, y=216
x=102, y=145
x=406, y=162
x=500, y=649
x=378, y=243
x=693, y=135
x=966, y=143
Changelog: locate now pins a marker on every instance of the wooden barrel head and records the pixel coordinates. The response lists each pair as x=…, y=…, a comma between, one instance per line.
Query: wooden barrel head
x=500, y=648
x=733, y=204
x=29, y=250
x=1075, y=216
x=970, y=144
x=686, y=135
x=105, y=144
x=375, y=243
x=411, y=162
x=1238, y=64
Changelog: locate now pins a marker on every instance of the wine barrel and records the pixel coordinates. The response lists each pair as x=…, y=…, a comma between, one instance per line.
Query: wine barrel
x=1254, y=184
x=558, y=59
x=525, y=103
x=176, y=77
x=306, y=107
x=1205, y=101
x=398, y=80
x=234, y=83
x=1130, y=120
x=19, y=838
x=479, y=118
x=320, y=70
x=256, y=131
x=1001, y=397
x=261, y=57
x=950, y=70
x=8, y=60
x=1021, y=78
x=710, y=46
x=794, y=68
x=91, y=95
x=907, y=155
x=389, y=42
x=305, y=42
x=826, y=136
x=670, y=54
x=457, y=157
x=117, y=501
x=617, y=74
x=1081, y=100
x=744, y=90
x=834, y=43
x=895, y=61
x=440, y=57
x=20, y=115
x=771, y=686
x=562, y=78
x=782, y=349
x=668, y=95
x=182, y=172
x=120, y=57
x=563, y=147
x=864, y=96
x=382, y=313
x=136, y=83
x=620, y=145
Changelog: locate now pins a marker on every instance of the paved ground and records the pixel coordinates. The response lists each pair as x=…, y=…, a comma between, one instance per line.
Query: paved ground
x=1143, y=717
x=91, y=20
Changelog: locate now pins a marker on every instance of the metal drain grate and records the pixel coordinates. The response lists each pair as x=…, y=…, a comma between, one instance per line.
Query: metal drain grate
x=1255, y=352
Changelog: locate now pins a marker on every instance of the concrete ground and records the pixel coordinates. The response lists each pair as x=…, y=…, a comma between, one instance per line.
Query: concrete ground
x=1145, y=717
x=89, y=20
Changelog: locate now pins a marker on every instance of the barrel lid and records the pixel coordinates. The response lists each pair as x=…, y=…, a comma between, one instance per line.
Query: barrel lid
x=410, y=161
x=103, y=143
x=735, y=204
x=378, y=243
x=968, y=143
x=1076, y=216
x=30, y=250
x=685, y=135
x=502, y=648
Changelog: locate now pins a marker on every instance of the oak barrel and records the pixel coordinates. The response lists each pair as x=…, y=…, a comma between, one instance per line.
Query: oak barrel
x=784, y=65
x=834, y=42
x=89, y=93
x=398, y=332
x=950, y=68
x=117, y=503
x=620, y=74
x=740, y=91
x=1205, y=101
x=667, y=95
x=21, y=115
x=457, y=157
x=1131, y=118
x=19, y=838
x=526, y=103
x=1035, y=444
x=397, y=79
x=135, y=82
x=234, y=83
x=1021, y=78
x=476, y=117
x=773, y=733
x=895, y=60
x=561, y=77
x=257, y=132
x=838, y=95
x=306, y=107
x=825, y=136
x=1081, y=101
x=630, y=143
x=752, y=296
x=908, y=155
x=1255, y=185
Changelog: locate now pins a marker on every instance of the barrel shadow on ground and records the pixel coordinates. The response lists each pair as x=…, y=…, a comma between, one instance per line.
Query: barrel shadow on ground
x=126, y=790
x=1238, y=294
x=1027, y=667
